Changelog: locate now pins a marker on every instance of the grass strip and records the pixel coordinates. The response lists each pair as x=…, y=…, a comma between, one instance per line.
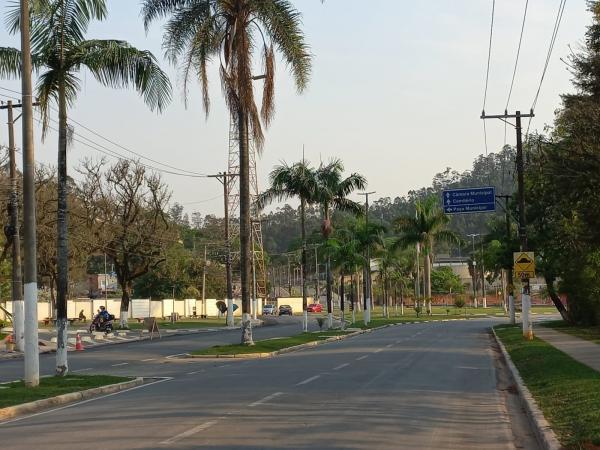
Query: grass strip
x=268, y=345
x=379, y=322
x=588, y=333
x=567, y=391
x=16, y=393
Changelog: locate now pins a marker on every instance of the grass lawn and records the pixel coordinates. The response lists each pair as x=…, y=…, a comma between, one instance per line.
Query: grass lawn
x=583, y=332
x=183, y=323
x=567, y=391
x=268, y=345
x=380, y=321
x=16, y=393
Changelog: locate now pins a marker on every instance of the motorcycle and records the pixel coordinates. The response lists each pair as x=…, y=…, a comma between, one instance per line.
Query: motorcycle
x=98, y=324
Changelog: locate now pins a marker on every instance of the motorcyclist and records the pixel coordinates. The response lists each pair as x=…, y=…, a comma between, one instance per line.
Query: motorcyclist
x=103, y=315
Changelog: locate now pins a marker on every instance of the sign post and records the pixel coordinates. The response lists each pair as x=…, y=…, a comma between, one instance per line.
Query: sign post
x=469, y=200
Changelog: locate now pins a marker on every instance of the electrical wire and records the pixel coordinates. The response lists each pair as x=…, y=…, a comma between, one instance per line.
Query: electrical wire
x=487, y=75
x=512, y=82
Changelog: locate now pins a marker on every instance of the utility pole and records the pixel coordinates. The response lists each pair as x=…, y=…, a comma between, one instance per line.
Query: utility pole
x=483, y=300
x=317, y=293
x=224, y=180
x=367, y=305
x=12, y=233
x=525, y=298
x=204, y=280
x=509, y=274
x=32, y=362
x=473, y=236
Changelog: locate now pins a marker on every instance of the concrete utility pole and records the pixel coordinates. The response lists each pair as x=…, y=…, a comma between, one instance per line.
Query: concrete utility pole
x=12, y=232
x=483, y=300
x=367, y=306
x=473, y=236
x=224, y=180
x=32, y=362
x=525, y=292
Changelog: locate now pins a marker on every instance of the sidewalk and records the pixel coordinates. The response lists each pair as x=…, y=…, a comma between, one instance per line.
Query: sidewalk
x=585, y=352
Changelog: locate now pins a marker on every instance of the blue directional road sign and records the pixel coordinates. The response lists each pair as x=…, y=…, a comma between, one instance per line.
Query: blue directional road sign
x=469, y=200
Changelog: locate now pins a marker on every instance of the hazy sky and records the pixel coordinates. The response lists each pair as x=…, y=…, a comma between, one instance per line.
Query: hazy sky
x=396, y=92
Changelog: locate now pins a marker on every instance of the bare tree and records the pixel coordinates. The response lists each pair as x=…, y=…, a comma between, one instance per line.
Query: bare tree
x=126, y=209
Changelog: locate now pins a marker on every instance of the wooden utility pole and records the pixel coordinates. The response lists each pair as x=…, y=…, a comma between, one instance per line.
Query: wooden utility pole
x=224, y=180
x=32, y=362
x=525, y=299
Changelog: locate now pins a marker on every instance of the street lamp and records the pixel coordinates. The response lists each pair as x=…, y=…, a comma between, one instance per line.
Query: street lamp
x=473, y=236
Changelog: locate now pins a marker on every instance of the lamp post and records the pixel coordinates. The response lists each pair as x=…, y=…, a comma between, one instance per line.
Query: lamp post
x=473, y=236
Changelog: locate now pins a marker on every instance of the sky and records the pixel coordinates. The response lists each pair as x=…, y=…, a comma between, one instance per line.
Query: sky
x=396, y=92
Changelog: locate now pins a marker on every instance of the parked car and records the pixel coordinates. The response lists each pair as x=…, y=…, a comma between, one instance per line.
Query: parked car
x=269, y=310
x=314, y=307
x=285, y=309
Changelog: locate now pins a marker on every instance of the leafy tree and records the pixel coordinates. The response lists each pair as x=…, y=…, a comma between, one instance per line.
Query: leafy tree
x=444, y=280
x=59, y=52
x=231, y=31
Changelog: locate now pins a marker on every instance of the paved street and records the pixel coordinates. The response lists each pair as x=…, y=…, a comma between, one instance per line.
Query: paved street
x=415, y=386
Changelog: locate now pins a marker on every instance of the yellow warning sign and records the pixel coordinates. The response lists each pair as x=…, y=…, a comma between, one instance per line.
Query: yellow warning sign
x=524, y=264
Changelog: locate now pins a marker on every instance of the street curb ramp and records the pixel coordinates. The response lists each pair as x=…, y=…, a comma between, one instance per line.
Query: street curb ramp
x=10, y=412
x=543, y=432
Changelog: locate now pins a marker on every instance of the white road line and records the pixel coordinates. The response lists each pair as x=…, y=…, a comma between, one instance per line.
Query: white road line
x=362, y=357
x=174, y=356
x=308, y=380
x=149, y=359
x=378, y=350
x=189, y=432
x=266, y=399
x=389, y=345
x=195, y=372
x=341, y=366
x=120, y=364
x=81, y=370
x=18, y=419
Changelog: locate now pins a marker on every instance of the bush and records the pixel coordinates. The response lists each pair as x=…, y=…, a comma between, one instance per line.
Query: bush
x=459, y=302
x=418, y=309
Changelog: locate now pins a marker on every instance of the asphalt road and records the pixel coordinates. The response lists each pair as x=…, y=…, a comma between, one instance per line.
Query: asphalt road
x=416, y=386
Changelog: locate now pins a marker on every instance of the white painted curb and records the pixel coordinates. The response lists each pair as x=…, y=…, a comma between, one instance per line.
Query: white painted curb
x=544, y=434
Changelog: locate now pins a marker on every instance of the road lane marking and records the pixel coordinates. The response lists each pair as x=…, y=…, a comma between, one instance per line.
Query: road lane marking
x=308, y=380
x=18, y=419
x=120, y=364
x=265, y=399
x=81, y=370
x=149, y=359
x=378, y=350
x=175, y=356
x=189, y=432
x=341, y=366
x=389, y=345
x=362, y=357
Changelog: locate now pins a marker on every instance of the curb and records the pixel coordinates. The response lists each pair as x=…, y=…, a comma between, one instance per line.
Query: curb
x=283, y=350
x=543, y=432
x=11, y=412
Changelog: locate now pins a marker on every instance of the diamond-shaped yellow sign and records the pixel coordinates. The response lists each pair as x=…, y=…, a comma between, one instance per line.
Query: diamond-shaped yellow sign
x=524, y=264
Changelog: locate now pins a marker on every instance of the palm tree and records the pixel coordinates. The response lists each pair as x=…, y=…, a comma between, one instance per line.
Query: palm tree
x=298, y=180
x=388, y=260
x=332, y=194
x=425, y=228
x=59, y=52
x=231, y=32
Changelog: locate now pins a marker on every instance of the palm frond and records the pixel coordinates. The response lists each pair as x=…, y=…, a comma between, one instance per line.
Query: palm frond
x=10, y=62
x=118, y=64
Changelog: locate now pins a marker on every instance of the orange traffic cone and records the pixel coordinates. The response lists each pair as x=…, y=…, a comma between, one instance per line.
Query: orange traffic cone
x=78, y=343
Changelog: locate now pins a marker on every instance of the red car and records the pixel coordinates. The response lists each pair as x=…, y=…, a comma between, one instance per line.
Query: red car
x=314, y=307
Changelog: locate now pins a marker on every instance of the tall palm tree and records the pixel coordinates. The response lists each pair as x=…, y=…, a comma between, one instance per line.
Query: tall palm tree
x=425, y=228
x=59, y=52
x=232, y=32
x=298, y=180
x=332, y=194
x=388, y=259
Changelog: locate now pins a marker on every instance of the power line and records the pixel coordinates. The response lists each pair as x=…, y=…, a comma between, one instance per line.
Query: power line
x=512, y=82
x=487, y=74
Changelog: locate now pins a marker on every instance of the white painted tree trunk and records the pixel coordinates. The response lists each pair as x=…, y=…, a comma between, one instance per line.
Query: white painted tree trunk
x=230, y=322
x=354, y=314
x=123, y=318
x=526, y=317
x=511, y=309
x=484, y=300
x=402, y=308
x=62, y=366
x=247, y=329
x=367, y=314
x=305, y=322
x=32, y=351
x=19, y=325
x=330, y=320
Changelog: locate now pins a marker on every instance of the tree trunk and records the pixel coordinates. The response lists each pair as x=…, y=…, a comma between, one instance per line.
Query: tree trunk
x=329, y=293
x=303, y=231
x=427, y=271
x=556, y=299
x=62, y=248
x=342, y=299
x=245, y=230
x=126, y=286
